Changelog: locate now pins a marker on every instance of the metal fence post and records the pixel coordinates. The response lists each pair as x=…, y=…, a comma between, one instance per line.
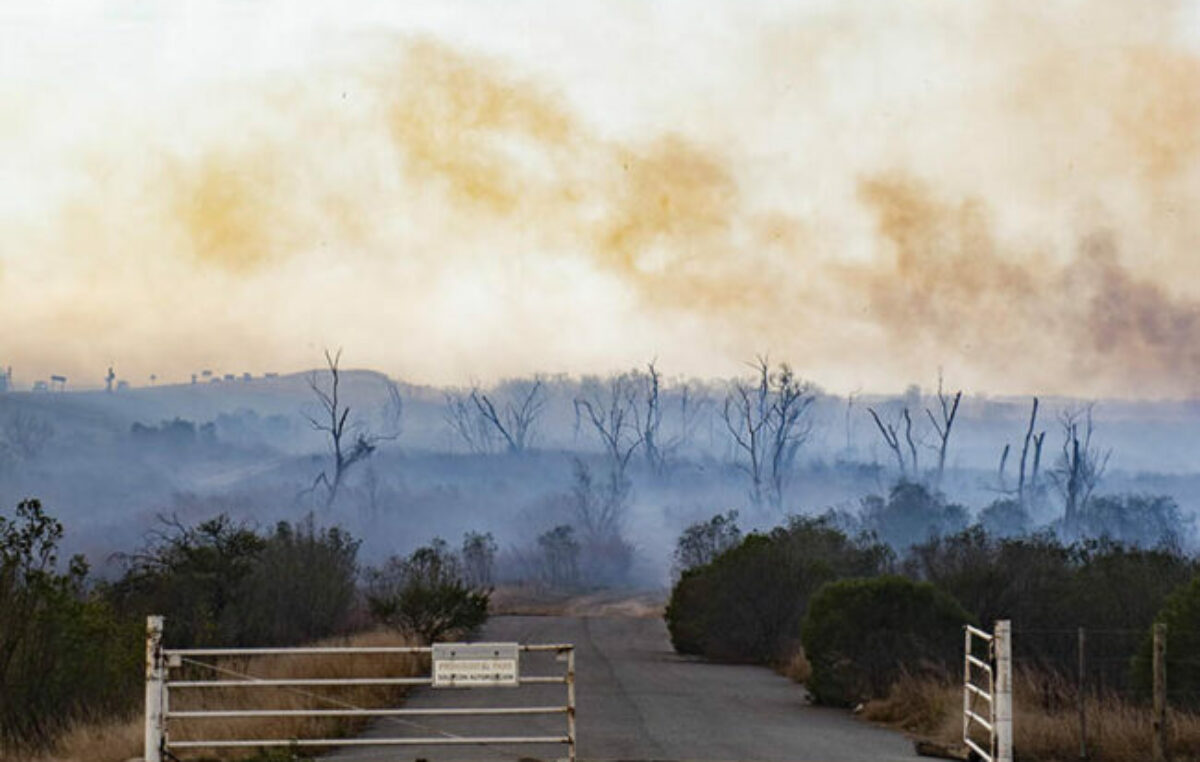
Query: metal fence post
x=571, y=705
x=1004, y=688
x=155, y=691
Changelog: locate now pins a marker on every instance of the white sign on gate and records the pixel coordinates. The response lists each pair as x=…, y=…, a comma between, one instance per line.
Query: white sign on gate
x=475, y=665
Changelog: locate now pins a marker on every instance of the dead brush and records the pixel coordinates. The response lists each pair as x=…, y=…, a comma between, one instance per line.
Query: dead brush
x=796, y=667
x=116, y=740
x=925, y=706
x=1045, y=721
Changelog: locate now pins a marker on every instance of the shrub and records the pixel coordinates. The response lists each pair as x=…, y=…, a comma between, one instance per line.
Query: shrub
x=222, y=583
x=911, y=514
x=1140, y=520
x=301, y=586
x=1005, y=518
x=194, y=577
x=1181, y=615
x=1048, y=589
x=63, y=654
x=479, y=558
x=861, y=635
x=424, y=595
x=703, y=541
x=558, y=557
x=747, y=605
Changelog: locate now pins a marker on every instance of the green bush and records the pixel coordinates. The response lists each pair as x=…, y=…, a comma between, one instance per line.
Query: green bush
x=703, y=541
x=192, y=576
x=425, y=594
x=64, y=654
x=911, y=514
x=748, y=603
x=222, y=583
x=860, y=635
x=1049, y=589
x=301, y=586
x=1181, y=615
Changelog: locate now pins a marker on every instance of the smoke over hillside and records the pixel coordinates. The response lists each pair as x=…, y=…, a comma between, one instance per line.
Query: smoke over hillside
x=869, y=192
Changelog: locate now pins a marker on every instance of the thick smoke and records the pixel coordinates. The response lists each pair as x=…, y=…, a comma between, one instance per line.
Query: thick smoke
x=871, y=193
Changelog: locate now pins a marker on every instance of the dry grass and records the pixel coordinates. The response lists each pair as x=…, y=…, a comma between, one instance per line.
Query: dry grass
x=1045, y=722
x=116, y=740
x=921, y=706
x=796, y=666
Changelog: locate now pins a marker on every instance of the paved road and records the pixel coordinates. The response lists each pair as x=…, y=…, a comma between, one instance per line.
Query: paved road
x=638, y=700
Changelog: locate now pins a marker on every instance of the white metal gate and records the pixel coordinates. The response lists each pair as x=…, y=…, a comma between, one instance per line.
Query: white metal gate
x=159, y=686
x=987, y=707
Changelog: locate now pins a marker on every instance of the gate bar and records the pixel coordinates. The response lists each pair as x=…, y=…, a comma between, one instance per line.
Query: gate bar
x=302, y=681
x=446, y=712
x=432, y=741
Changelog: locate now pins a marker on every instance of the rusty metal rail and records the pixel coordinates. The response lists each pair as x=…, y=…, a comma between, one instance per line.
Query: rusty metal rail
x=160, y=660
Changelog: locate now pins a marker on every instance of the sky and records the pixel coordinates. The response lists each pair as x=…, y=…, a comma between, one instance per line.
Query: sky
x=456, y=191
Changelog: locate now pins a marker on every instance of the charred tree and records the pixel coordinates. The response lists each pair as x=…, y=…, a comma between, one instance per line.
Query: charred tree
x=768, y=418
x=943, y=424
x=891, y=437
x=1080, y=465
x=1027, y=491
x=515, y=420
x=612, y=411
x=349, y=443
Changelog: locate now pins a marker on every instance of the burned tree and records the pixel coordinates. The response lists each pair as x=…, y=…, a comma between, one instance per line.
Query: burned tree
x=768, y=418
x=514, y=421
x=463, y=418
x=1027, y=489
x=350, y=444
x=1027, y=492
x=651, y=420
x=612, y=411
x=891, y=437
x=943, y=424
x=659, y=442
x=1080, y=465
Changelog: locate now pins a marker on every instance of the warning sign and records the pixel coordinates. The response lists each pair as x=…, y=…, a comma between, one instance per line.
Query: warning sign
x=475, y=665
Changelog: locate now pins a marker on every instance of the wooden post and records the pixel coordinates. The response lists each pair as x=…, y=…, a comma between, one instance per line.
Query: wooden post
x=1159, y=750
x=1083, y=750
x=155, y=691
x=1002, y=706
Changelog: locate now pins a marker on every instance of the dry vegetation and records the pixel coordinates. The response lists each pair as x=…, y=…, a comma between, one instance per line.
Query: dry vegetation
x=1118, y=729
x=796, y=667
x=117, y=740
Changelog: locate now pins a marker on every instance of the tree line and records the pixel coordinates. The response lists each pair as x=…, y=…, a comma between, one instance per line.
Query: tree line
x=72, y=647
x=863, y=614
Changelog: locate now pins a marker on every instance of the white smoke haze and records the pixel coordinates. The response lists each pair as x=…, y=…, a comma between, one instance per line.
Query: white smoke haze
x=869, y=191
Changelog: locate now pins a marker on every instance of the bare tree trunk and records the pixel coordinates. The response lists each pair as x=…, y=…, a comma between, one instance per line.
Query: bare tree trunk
x=943, y=424
x=1021, y=497
x=1000, y=472
x=769, y=422
x=334, y=419
x=912, y=447
x=652, y=422
x=891, y=438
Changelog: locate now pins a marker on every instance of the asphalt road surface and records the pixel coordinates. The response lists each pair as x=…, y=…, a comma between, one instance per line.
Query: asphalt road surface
x=638, y=700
